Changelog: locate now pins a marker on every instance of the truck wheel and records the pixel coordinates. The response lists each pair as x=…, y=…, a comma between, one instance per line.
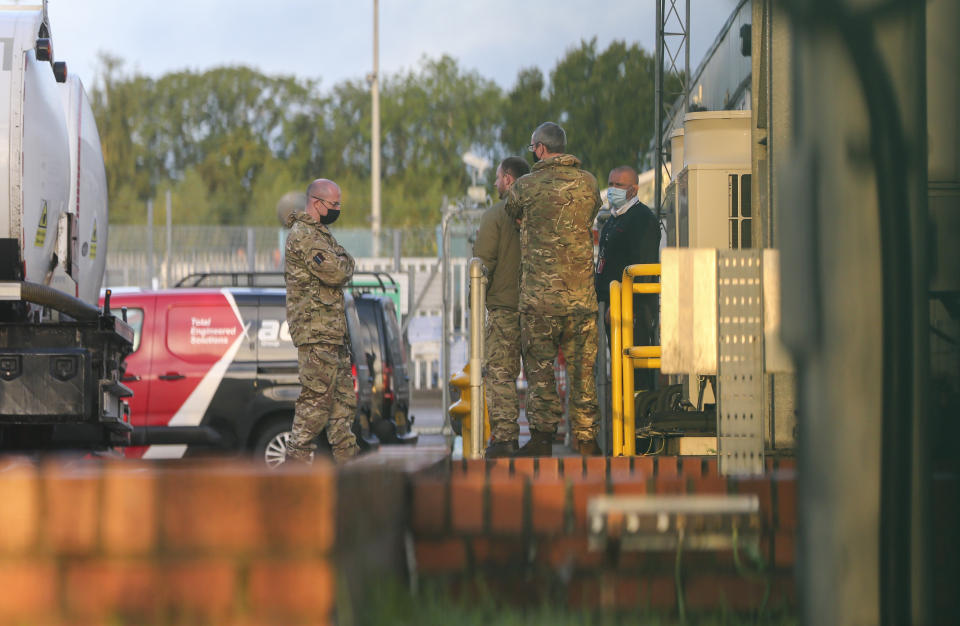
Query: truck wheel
x=271, y=445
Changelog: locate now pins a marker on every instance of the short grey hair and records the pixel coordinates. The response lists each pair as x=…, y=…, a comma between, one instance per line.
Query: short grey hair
x=552, y=137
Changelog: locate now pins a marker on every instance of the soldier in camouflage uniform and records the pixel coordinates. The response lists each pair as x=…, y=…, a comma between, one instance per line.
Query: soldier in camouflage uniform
x=498, y=246
x=557, y=203
x=317, y=268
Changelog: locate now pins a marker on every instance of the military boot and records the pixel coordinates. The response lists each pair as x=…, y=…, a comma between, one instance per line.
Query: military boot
x=540, y=444
x=589, y=448
x=500, y=449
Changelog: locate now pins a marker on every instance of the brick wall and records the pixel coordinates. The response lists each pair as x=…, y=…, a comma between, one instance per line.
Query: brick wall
x=519, y=527
x=90, y=542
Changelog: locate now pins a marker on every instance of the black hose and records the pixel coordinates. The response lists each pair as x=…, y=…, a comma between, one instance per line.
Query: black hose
x=50, y=297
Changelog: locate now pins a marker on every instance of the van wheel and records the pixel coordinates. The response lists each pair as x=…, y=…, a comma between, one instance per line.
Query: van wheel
x=271, y=446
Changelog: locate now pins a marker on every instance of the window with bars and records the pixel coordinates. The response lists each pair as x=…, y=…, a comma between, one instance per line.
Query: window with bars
x=740, y=218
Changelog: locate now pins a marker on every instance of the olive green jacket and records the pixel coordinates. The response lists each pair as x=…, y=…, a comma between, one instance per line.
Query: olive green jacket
x=316, y=269
x=498, y=246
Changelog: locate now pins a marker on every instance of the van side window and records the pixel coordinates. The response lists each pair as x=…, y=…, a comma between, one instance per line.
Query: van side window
x=135, y=320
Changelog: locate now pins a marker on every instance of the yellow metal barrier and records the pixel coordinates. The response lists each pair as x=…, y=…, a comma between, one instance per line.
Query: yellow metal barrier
x=616, y=347
x=624, y=356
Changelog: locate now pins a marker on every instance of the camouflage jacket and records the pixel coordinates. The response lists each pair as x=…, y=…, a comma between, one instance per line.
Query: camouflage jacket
x=498, y=246
x=556, y=203
x=317, y=268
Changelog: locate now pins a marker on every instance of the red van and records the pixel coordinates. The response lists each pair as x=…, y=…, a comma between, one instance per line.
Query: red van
x=217, y=369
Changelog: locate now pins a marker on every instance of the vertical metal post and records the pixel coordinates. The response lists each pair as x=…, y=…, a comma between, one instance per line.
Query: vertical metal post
x=150, y=284
x=169, y=253
x=477, y=304
x=445, y=321
x=251, y=251
x=375, y=132
x=616, y=370
x=658, y=115
x=626, y=338
x=396, y=249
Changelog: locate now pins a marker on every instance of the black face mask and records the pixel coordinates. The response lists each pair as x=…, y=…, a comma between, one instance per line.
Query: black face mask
x=535, y=157
x=330, y=217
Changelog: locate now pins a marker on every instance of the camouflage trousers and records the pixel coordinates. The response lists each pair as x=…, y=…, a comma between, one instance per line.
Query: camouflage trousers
x=327, y=400
x=501, y=366
x=576, y=335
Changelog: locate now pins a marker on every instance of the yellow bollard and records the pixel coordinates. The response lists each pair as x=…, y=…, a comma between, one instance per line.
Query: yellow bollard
x=616, y=365
x=460, y=410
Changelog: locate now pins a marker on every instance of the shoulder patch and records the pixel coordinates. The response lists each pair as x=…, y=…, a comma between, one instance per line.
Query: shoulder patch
x=318, y=258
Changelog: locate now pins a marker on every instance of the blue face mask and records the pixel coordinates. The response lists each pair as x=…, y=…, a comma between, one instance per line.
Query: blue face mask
x=616, y=197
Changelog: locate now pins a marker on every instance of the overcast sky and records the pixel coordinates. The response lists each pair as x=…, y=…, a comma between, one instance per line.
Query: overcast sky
x=332, y=41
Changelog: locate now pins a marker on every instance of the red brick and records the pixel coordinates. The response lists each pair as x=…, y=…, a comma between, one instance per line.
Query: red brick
x=668, y=467
x=658, y=592
x=691, y=467
x=670, y=485
x=548, y=468
x=786, y=504
x=627, y=592
x=497, y=551
x=784, y=548
x=709, y=485
x=713, y=591
x=621, y=465
x=761, y=487
x=566, y=552
x=200, y=587
x=303, y=589
x=572, y=466
x=787, y=463
x=466, y=503
x=212, y=508
x=506, y=505
x=129, y=509
x=29, y=590
x=712, y=468
x=430, y=497
x=595, y=467
x=441, y=555
x=71, y=507
x=523, y=467
x=112, y=587
x=499, y=468
x=475, y=467
x=643, y=465
x=19, y=513
x=548, y=505
x=585, y=593
x=628, y=485
x=298, y=509
x=583, y=490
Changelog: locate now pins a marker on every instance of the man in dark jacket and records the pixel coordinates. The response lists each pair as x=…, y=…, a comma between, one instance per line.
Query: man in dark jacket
x=630, y=236
x=498, y=246
x=317, y=268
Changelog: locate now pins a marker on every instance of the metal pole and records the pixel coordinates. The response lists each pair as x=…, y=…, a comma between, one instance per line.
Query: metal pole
x=375, y=147
x=150, y=244
x=686, y=62
x=166, y=259
x=445, y=323
x=396, y=249
x=251, y=251
x=477, y=426
x=658, y=114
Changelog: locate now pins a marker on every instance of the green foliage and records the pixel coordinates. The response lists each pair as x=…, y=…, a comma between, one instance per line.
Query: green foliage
x=229, y=142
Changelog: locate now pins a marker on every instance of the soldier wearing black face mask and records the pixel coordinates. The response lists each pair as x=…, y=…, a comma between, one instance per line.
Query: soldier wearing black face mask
x=317, y=269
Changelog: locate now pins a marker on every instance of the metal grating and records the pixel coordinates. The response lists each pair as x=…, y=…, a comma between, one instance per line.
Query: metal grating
x=740, y=362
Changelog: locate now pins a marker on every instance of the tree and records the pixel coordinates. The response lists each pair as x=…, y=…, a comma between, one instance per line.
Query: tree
x=525, y=107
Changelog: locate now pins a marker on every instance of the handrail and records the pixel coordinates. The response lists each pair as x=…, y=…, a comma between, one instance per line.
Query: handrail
x=624, y=356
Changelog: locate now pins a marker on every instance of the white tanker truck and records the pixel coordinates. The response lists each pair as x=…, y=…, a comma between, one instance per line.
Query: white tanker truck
x=61, y=358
